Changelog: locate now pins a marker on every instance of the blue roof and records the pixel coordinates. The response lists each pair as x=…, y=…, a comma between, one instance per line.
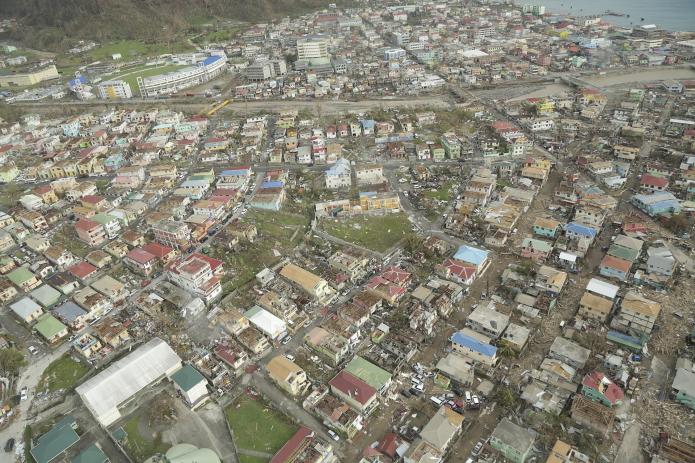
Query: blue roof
x=341, y=167
x=272, y=184
x=211, y=59
x=580, y=229
x=77, y=81
x=367, y=123
x=229, y=172
x=473, y=344
x=471, y=255
x=369, y=194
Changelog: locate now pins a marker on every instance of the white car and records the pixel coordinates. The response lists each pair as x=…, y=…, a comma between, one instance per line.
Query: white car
x=24, y=393
x=333, y=435
x=33, y=350
x=289, y=357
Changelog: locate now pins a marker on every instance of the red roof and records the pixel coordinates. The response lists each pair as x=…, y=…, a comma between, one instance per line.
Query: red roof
x=140, y=256
x=616, y=263
x=225, y=354
x=460, y=269
x=600, y=383
x=653, y=180
x=86, y=224
x=396, y=275
x=214, y=263
x=157, y=249
x=388, y=445
x=92, y=199
x=353, y=387
x=292, y=446
x=82, y=270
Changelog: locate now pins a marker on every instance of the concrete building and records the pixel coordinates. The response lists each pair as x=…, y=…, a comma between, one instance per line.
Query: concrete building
x=514, y=442
x=114, y=90
x=287, y=374
x=637, y=314
x=191, y=385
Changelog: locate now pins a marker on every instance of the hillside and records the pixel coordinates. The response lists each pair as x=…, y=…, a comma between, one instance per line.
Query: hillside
x=55, y=24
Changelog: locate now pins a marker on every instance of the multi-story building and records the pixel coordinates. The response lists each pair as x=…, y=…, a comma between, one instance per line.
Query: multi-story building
x=114, y=90
x=173, y=234
x=90, y=232
x=312, y=47
x=195, y=274
x=287, y=374
x=175, y=81
x=339, y=175
x=112, y=226
x=637, y=314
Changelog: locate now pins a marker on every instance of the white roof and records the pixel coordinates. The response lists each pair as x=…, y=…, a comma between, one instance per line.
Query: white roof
x=602, y=288
x=123, y=379
x=266, y=322
x=568, y=257
x=474, y=54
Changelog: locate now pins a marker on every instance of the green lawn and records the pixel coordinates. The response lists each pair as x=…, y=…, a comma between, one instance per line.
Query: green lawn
x=62, y=374
x=443, y=193
x=250, y=459
x=140, y=447
x=275, y=232
x=378, y=233
x=257, y=426
x=130, y=49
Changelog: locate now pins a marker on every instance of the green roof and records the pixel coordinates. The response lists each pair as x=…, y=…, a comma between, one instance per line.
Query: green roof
x=368, y=372
x=187, y=377
x=103, y=218
x=623, y=253
x=20, y=275
x=56, y=441
x=48, y=326
x=46, y=295
x=91, y=454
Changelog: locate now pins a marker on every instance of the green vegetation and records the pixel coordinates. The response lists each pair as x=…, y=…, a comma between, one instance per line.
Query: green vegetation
x=130, y=49
x=139, y=446
x=11, y=192
x=251, y=459
x=276, y=231
x=443, y=193
x=11, y=360
x=63, y=373
x=258, y=426
x=218, y=35
x=378, y=233
x=67, y=238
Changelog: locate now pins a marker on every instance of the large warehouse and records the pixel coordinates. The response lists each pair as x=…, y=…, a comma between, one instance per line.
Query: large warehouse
x=172, y=82
x=114, y=387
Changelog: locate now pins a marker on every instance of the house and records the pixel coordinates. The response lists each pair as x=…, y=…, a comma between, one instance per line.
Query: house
x=339, y=175
x=26, y=310
x=191, y=385
x=82, y=270
x=46, y=295
x=442, y=430
x=660, y=260
x=354, y=392
x=474, y=256
x=111, y=288
x=683, y=387
x=546, y=227
x=96, y=304
x=314, y=285
x=337, y=415
x=71, y=314
x=537, y=250
x=287, y=374
x=90, y=232
x=332, y=347
x=369, y=174
x=141, y=261
x=550, y=280
x=598, y=387
x=111, y=332
x=253, y=340
x=354, y=267
x=487, y=321
x=474, y=349
x=637, y=314
x=614, y=267
x=421, y=451
x=658, y=203
x=98, y=258
x=7, y=291
x=594, y=307
x=455, y=270
x=653, y=183
x=602, y=288
x=304, y=447
x=163, y=253
x=266, y=322
x=574, y=230
x=569, y=352
x=375, y=376
x=512, y=441
x=50, y=328
x=565, y=453
x=24, y=279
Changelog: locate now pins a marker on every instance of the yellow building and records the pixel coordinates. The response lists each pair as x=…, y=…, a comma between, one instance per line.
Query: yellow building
x=26, y=79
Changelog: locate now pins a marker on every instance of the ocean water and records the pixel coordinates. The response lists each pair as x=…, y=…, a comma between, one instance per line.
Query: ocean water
x=673, y=15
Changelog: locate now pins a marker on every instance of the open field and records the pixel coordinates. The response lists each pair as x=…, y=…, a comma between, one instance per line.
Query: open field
x=257, y=426
x=62, y=374
x=275, y=233
x=140, y=446
x=377, y=233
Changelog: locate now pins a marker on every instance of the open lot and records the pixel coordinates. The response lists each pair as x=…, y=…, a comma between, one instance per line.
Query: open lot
x=276, y=232
x=378, y=233
x=257, y=426
x=141, y=442
x=63, y=373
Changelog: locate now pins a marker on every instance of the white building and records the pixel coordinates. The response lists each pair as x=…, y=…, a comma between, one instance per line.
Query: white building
x=266, y=322
x=114, y=90
x=106, y=392
x=192, y=385
x=339, y=175
x=172, y=82
x=312, y=47
x=369, y=174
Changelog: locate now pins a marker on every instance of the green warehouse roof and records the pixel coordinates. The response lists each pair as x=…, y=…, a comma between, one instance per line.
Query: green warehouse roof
x=91, y=454
x=56, y=441
x=48, y=326
x=187, y=377
x=19, y=275
x=368, y=372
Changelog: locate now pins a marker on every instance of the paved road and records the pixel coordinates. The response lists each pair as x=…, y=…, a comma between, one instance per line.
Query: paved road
x=183, y=104
x=30, y=378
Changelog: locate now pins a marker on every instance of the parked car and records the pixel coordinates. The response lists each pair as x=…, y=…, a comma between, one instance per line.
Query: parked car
x=333, y=435
x=405, y=393
x=286, y=340
x=24, y=393
x=33, y=350
x=9, y=445
x=289, y=357
x=478, y=448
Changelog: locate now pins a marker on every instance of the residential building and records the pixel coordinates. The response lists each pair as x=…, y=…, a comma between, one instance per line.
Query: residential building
x=598, y=387
x=339, y=175
x=173, y=234
x=354, y=392
x=637, y=314
x=315, y=286
x=191, y=385
x=569, y=352
x=90, y=232
x=114, y=90
x=50, y=328
x=474, y=349
x=442, y=430
x=563, y=452
x=512, y=441
x=141, y=261
x=26, y=310
x=287, y=374
x=683, y=387
x=197, y=274
x=24, y=279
